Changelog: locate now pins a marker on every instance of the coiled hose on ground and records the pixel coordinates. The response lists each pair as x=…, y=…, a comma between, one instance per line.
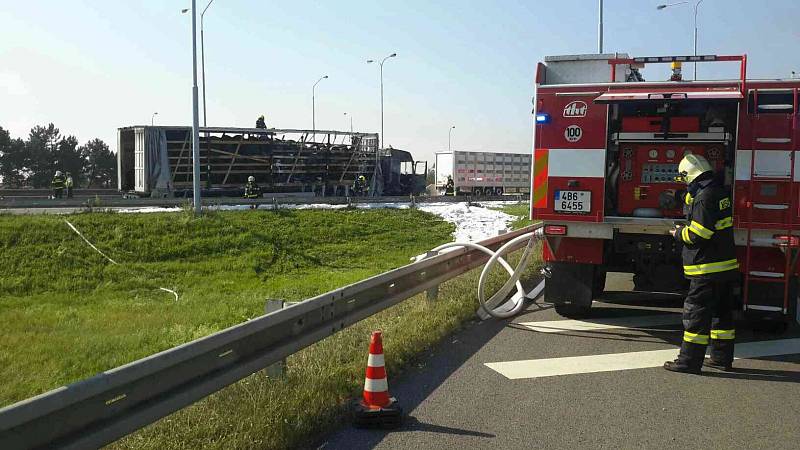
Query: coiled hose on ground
x=495, y=306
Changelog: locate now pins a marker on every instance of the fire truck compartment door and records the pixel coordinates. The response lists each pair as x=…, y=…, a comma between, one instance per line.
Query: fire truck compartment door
x=661, y=95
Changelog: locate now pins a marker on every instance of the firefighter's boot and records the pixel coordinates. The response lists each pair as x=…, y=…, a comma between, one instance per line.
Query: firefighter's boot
x=682, y=367
x=719, y=365
x=690, y=359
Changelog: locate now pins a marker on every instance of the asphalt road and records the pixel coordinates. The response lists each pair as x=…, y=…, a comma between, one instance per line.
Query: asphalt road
x=454, y=400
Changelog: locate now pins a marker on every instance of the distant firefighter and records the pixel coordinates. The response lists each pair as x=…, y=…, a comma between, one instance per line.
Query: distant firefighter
x=68, y=184
x=450, y=187
x=360, y=188
x=260, y=123
x=58, y=184
x=251, y=189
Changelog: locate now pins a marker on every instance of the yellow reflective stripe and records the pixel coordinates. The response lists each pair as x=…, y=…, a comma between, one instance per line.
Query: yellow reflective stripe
x=693, y=338
x=724, y=223
x=685, y=235
x=722, y=266
x=700, y=230
x=723, y=334
x=688, y=199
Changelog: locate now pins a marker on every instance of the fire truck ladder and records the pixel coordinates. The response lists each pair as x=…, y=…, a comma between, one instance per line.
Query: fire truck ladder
x=787, y=242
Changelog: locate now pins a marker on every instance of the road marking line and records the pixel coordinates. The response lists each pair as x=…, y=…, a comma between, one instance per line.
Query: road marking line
x=538, y=368
x=610, y=323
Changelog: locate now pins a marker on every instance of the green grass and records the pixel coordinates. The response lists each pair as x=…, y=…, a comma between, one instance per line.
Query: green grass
x=67, y=314
x=522, y=212
x=320, y=381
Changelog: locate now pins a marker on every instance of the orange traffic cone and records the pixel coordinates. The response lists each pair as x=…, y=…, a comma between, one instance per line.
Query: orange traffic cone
x=377, y=408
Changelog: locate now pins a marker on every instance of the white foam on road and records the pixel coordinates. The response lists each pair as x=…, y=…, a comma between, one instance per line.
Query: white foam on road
x=550, y=367
x=473, y=223
x=633, y=323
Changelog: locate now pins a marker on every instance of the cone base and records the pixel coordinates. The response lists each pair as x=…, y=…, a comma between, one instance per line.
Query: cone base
x=365, y=416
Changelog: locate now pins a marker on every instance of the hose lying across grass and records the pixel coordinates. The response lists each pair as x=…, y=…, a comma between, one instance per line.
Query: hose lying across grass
x=109, y=259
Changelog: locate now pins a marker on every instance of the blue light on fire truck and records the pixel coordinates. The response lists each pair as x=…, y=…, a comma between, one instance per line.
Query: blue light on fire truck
x=542, y=118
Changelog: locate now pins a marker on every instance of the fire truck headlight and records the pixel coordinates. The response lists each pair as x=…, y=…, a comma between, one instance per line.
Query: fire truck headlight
x=542, y=118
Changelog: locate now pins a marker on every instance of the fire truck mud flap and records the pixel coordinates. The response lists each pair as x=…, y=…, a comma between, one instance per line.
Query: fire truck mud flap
x=570, y=287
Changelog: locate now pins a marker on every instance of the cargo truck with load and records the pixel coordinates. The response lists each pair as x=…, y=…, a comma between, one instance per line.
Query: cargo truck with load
x=483, y=173
x=607, y=145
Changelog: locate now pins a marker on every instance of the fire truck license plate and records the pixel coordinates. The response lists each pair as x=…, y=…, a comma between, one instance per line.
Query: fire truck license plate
x=573, y=201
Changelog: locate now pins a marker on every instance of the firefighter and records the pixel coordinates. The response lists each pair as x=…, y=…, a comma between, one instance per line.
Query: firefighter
x=676, y=71
x=709, y=262
x=251, y=189
x=360, y=187
x=58, y=184
x=68, y=184
x=450, y=187
x=260, y=123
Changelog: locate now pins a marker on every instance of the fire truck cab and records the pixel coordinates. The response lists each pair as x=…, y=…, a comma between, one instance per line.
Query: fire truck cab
x=607, y=145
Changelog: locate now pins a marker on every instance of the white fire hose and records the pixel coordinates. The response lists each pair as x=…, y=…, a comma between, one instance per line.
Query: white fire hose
x=494, y=306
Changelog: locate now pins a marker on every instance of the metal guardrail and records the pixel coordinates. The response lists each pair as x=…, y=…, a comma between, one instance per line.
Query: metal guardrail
x=110, y=405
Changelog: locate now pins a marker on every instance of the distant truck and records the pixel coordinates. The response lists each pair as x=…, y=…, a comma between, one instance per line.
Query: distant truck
x=484, y=173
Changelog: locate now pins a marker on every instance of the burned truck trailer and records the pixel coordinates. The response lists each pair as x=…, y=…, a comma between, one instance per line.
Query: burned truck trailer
x=157, y=160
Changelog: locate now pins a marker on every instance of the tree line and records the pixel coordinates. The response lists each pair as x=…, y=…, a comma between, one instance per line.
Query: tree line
x=33, y=162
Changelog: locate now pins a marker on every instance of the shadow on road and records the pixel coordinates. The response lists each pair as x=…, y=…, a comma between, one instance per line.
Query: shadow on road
x=413, y=424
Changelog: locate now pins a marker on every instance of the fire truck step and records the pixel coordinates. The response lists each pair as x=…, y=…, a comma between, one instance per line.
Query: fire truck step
x=760, y=178
x=763, y=274
x=775, y=206
x=764, y=308
x=766, y=280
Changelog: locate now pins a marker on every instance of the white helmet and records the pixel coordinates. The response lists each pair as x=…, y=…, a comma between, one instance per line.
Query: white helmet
x=691, y=167
x=58, y=173
x=251, y=179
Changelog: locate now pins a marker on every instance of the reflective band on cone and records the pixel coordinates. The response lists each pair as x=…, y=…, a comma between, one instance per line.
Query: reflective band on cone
x=376, y=388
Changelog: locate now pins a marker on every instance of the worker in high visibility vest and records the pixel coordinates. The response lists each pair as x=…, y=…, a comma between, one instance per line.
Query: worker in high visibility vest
x=710, y=264
x=69, y=184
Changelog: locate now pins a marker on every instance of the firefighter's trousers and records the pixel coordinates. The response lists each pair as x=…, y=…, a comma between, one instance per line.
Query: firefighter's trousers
x=708, y=318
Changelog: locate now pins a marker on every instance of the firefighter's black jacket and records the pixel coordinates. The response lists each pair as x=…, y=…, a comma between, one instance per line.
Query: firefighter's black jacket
x=708, y=247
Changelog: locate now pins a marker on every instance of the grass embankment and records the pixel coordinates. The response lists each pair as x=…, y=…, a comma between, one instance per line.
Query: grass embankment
x=66, y=313
x=257, y=412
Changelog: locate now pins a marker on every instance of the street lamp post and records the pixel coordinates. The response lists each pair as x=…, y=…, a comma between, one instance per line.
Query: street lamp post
x=382, y=140
x=351, y=121
x=153, y=119
x=449, y=135
x=696, y=6
x=195, y=116
x=203, y=62
x=600, y=27
x=314, y=106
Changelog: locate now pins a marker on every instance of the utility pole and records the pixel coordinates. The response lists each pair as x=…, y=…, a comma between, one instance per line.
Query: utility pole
x=195, y=117
x=600, y=28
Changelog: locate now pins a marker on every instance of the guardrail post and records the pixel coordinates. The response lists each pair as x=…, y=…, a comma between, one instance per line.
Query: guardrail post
x=432, y=294
x=277, y=370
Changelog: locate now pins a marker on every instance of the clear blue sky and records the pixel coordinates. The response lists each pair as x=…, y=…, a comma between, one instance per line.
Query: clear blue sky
x=90, y=66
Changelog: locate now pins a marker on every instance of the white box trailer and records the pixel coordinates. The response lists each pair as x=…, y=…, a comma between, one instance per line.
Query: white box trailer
x=484, y=173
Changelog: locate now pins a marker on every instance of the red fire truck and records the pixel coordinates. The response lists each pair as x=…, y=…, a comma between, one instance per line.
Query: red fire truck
x=607, y=145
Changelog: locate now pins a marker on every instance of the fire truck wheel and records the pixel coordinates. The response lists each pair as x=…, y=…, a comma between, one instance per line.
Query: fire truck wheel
x=573, y=310
x=598, y=281
x=569, y=287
